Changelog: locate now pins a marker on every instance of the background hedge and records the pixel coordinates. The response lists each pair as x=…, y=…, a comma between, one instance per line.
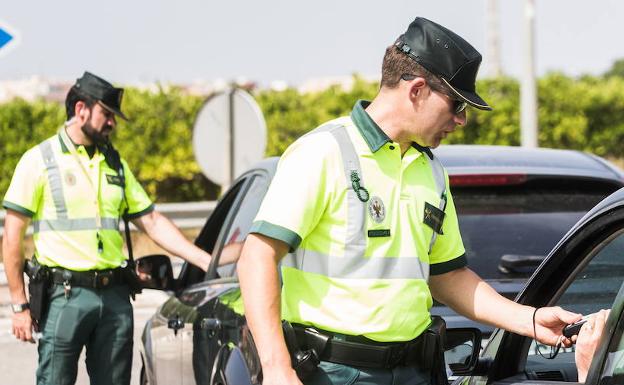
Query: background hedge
x=585, y=113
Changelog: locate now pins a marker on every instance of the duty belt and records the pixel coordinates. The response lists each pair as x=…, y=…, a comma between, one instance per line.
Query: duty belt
x=363, y=352
x=95, y=279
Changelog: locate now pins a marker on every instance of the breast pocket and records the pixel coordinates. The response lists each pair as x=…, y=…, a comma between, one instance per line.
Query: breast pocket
x=111, y=194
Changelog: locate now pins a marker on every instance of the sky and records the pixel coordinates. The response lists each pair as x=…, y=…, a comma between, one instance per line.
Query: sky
x=130, y=41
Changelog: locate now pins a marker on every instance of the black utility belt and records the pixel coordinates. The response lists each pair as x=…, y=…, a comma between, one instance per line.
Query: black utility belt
x=359, y=351
x=94, y=279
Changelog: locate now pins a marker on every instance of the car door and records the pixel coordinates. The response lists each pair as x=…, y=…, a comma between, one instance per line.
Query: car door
x=174, y=320
x=584, y=273
x=216, y=331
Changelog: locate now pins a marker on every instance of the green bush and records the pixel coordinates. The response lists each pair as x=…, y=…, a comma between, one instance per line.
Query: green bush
x=585, y=113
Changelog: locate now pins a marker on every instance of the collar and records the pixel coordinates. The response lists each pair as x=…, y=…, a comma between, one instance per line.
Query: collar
x=370, y=131
x=372, y=134
x=423, y=149
x=63, y=146
x=90, y=150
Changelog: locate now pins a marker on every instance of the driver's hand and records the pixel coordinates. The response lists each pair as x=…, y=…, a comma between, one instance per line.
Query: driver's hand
x=587, y=342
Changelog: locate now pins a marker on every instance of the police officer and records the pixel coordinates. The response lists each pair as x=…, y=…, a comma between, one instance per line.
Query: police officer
x=363, y=208
x=74, y=194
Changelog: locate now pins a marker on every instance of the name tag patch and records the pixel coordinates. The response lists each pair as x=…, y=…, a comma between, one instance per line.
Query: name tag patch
x=113, y=179
x=433, y=217
x=378, y=233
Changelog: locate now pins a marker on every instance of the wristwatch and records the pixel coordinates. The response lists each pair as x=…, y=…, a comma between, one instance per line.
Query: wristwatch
x=19, y=307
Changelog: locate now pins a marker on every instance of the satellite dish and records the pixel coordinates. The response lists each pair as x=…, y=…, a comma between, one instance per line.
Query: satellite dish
x=229, y=135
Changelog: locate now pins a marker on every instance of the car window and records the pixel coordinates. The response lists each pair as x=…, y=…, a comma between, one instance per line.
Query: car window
x=207, y=238
x=234, y=234
x=508, y=231
x=596, y=284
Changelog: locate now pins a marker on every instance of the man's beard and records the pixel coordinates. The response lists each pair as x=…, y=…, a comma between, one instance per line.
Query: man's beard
x=97, y=137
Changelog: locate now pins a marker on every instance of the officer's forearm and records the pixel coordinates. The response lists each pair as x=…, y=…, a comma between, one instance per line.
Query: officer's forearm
x=13, y=255
x=162, y=231
x=466, y=293
x=257, y=272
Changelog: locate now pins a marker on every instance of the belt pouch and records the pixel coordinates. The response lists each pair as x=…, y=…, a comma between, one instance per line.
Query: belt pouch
x=305, y=362
x=435, y=336
x=38, y=297
x=131, y=278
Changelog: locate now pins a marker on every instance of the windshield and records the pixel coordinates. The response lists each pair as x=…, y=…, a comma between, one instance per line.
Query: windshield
x=506, y=232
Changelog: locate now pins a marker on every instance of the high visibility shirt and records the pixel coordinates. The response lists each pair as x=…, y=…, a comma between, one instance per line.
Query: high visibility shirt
x=372, y=280
x=75, y=203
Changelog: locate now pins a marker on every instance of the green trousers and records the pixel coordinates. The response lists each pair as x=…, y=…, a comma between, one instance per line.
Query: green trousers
x=100, y=320
x=336, y=374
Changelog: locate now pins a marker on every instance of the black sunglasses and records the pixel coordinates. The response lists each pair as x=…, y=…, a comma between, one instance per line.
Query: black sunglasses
x=458, y=104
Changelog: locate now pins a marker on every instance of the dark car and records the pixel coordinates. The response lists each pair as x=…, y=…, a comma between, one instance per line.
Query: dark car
x=515, y=203
x=584, y=273
x=199, y=335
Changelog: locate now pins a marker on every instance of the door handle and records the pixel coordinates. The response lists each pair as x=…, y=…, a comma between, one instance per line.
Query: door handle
x=175, y=323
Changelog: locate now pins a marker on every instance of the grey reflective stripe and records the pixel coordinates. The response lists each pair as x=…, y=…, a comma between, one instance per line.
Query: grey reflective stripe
x=354, y=263
x=54, y=177
x=74, y=224
x=440, y=182
x=358, y=266
x=355, y=241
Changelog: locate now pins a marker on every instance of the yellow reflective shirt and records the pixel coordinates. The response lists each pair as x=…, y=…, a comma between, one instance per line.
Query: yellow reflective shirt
x=381, y=292
x=75, y=203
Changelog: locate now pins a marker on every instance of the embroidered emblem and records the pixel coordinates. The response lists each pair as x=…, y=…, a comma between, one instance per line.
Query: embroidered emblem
x=376, y=209
x=70, y=178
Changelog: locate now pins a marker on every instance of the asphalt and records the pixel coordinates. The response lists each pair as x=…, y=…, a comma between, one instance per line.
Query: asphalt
x=19, y=360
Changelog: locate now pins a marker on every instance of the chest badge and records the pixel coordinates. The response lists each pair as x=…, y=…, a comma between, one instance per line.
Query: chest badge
x=376, y=209
x=70, y=178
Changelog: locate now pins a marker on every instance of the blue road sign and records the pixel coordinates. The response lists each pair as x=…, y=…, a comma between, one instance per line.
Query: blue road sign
x=5, y=38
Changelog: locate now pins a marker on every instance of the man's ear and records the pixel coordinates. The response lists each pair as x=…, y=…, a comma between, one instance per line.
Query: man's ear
x=81, y=111
x=416, y=87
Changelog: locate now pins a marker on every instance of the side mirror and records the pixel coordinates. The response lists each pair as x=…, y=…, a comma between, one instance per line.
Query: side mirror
x=461, y=350
x=155, y=272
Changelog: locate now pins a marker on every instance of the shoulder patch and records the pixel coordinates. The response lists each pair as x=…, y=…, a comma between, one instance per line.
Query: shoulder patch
x=113, y=179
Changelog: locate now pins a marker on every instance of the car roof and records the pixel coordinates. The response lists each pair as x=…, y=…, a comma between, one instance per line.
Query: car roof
x=463, y=159
x=490, y=159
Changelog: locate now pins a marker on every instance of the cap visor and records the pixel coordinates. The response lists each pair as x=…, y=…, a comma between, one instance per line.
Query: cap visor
x=114, y=111
x=469, y=97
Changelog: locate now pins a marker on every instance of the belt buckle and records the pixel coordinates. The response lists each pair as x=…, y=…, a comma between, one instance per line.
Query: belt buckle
x=100, y=280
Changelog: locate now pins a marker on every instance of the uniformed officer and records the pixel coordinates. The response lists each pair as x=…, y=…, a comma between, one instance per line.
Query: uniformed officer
x=74, y=194
x=363, y=208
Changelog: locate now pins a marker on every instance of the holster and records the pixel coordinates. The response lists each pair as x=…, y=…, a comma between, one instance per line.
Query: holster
x=132, y=279
x=38, y=285
x=305, y=362
x=434, y=338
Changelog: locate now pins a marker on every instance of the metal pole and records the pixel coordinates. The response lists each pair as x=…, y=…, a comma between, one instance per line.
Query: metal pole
x=228, y=159
x=231, y=138
x=494, y=60
x=528, y=89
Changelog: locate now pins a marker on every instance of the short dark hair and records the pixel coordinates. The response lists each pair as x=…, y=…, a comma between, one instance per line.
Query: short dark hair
x=73, y=97
x=396, y=64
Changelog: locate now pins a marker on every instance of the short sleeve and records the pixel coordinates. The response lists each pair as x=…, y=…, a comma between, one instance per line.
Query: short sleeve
x=137, y=199
x=27, y=184
x=298, y=194
x=448, y=252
